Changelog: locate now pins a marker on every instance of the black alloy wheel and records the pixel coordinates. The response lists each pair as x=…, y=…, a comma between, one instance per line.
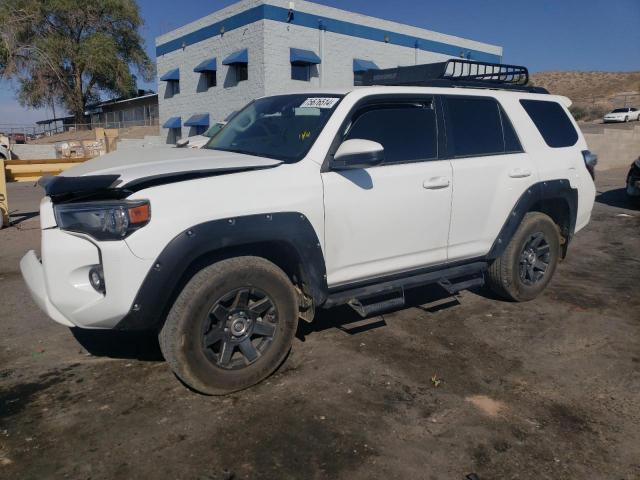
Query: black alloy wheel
x=534, y=259
x=240, y=328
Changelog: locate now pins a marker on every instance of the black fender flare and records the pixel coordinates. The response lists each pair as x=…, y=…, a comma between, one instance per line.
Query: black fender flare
x=159, y=289
x=546, y=191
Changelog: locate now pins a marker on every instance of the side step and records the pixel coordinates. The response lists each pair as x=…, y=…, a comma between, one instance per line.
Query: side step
x=364, y=309
x=452, y=279
x=454, y=288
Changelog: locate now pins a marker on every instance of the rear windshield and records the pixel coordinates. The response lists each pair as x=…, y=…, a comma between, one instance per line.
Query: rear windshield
x=552, y=122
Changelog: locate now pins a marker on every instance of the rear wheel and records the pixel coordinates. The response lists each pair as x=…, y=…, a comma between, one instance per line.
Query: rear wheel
x=231, y=326
x=526, y=266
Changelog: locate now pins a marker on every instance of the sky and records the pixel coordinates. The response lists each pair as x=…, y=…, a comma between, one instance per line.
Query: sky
x=541, y=34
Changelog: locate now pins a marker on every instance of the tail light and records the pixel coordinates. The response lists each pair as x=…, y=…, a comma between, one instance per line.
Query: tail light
x=590, y=161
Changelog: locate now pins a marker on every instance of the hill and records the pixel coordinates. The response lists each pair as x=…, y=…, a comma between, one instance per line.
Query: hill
x=592, y=93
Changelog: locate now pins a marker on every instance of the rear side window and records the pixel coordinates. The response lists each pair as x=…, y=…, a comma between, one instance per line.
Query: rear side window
x=552, y=122
x=407, y=132
x=478, y=126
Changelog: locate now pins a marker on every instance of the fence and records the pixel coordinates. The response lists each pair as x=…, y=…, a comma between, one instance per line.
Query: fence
x=32, y=132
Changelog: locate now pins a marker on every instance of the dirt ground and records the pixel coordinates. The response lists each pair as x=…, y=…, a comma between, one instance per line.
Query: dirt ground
x=544, y=390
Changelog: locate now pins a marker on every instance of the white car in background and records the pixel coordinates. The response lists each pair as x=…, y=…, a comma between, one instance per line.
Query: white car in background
x=199, y=141
x=625, y=114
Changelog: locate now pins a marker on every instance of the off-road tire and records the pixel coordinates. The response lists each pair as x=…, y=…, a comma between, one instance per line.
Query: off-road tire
x=504, y=277
x=181, y=336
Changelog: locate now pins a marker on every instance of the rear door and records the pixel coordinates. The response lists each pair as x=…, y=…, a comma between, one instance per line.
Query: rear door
x=392, y=217
x=490, y=172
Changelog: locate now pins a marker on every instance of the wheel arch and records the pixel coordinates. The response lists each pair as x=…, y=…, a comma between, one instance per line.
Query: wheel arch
x=287, y=239
x=555, y=198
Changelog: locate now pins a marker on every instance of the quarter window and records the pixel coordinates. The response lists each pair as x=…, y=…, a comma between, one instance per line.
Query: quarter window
x=552, y=122
x=478, y=126
x=407, y=131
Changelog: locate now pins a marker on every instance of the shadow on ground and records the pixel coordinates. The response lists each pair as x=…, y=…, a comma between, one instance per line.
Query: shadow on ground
x=618, y=198
x=116, y=344
x=430, y=298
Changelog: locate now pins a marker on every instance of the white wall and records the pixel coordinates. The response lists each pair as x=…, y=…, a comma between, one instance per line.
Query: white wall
x=268, y=43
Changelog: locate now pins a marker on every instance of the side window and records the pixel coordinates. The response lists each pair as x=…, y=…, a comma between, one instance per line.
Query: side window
x=552, y=122
x=478, y=126
x=407, y=131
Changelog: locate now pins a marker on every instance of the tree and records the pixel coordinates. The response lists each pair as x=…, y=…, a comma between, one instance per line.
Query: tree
x=72, y=51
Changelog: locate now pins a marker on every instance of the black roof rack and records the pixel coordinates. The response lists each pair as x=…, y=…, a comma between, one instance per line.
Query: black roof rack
x=455, y=73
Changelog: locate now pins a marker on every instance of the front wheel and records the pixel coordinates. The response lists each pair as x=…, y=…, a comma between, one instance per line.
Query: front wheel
x=231, y=326
x=526, y=266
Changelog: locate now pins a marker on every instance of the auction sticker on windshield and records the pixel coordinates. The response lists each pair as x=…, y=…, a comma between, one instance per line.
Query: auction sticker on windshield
x=320, y=102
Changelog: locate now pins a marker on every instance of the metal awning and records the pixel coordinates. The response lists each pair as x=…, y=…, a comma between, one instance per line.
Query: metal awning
x=173, y=122
x=241, y=56
x=210, y=65
x=303, y=57
x=198, y=120
x=363, y=65
x=171, y=76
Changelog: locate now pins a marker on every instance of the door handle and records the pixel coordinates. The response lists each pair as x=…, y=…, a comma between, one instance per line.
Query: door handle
x=436, y=182
x=519, y=173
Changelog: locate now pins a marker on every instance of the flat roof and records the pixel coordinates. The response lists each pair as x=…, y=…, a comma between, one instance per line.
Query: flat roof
x=333, y=20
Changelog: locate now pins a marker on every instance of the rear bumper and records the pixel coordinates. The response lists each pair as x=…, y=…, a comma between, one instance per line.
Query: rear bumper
x=33, y=274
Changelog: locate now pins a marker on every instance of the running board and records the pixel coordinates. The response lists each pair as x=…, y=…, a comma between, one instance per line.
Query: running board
x=454, y=288
x=389, y=286
x=364, y=309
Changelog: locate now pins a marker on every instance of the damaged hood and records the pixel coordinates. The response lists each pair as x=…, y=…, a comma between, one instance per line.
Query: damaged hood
x=134, y=169
x=135, y=164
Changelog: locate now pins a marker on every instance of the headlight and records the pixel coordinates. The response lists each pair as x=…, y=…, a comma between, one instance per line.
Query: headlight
x=104, y=220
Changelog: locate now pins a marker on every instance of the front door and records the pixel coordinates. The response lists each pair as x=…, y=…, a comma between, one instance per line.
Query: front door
x=393, y=217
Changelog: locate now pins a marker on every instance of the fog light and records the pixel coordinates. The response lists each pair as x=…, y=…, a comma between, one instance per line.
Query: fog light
x=96, y=279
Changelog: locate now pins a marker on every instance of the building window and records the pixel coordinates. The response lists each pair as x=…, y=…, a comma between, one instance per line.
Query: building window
x=301, y=72
x=173, y=87
x=242, y=72
x=210, y=79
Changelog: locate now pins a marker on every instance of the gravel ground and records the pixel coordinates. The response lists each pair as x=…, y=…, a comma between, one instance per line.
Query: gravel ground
x=549, y=389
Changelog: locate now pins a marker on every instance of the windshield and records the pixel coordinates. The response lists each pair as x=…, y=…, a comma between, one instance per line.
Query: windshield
x=283, y=127
x=620, y=110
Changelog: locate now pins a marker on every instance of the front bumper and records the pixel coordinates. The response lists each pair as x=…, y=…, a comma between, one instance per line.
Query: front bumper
x=33, y=275
x=59, y=280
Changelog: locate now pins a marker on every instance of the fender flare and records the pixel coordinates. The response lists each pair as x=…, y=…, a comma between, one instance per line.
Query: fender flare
x=548, y=190
x=160, y=286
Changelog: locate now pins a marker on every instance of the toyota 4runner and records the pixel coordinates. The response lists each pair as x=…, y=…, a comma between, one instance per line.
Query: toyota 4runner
x=311, y=200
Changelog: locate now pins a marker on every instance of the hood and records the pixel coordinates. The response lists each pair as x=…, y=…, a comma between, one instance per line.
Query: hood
x=134, y=169
x=136, y=164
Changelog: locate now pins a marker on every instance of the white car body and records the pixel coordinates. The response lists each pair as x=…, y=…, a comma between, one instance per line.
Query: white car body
x=626, y=114
x=369, y=222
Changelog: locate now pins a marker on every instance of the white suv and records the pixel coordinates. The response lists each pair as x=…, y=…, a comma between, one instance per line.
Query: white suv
x=307, y=201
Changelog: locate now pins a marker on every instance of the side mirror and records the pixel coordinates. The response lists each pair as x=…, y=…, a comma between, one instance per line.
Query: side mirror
x=182, y=143
x=357, y=153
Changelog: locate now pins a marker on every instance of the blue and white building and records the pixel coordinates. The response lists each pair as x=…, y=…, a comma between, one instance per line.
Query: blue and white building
x=217, y=64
